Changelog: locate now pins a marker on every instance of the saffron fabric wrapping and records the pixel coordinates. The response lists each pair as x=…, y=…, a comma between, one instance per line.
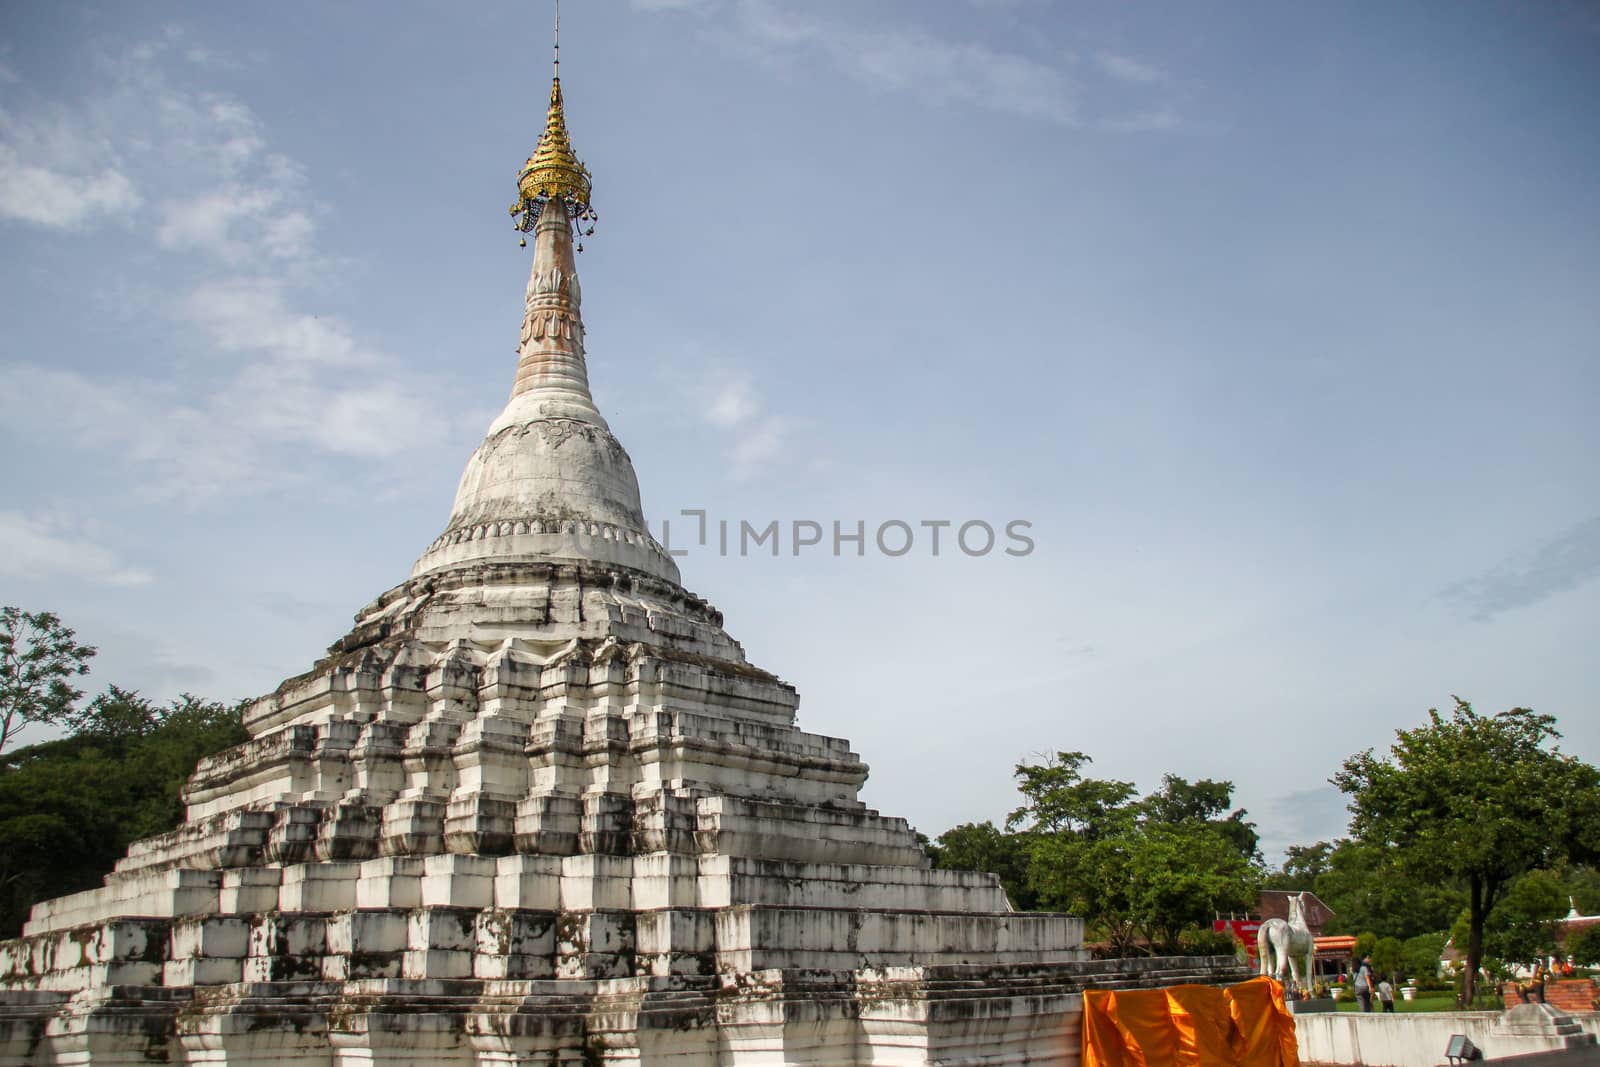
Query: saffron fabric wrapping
x=1247, y=1025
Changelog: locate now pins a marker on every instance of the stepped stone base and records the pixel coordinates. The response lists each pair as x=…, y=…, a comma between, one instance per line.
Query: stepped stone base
x=1529, y=1028
x=582, y=959
x=950, y=1015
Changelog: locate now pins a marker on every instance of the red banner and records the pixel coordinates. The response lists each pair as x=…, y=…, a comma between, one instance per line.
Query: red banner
x=1243, y=929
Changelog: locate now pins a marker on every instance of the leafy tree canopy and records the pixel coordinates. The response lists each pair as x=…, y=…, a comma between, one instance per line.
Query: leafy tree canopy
x=1302, y=866
x=1423, y=954
x=1522, y=928
x=69, y=808
x=1388, y=957
x=1584, y=946
x=1476, y=801
x=1137, y=868
x=1205, y=802
x=1057, y=797
x=1182, y=873
x=984, y=847
x=1367, y=889
x=39, y=657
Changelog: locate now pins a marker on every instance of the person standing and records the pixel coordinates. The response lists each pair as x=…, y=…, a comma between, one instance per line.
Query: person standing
x=1386, y=995
x=1363, y=983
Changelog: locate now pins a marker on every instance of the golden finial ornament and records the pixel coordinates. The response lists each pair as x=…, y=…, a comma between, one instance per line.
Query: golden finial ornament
x=553, y=173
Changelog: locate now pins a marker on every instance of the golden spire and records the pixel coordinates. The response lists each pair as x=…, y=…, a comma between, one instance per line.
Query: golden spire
x=554, y=172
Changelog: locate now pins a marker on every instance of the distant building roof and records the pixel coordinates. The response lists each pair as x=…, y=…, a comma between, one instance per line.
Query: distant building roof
x=1574, y=922
x=1335, y=947
x=1274, y=904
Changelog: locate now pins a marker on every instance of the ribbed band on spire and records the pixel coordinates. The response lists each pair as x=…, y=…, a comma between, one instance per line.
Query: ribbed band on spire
x=550, y=358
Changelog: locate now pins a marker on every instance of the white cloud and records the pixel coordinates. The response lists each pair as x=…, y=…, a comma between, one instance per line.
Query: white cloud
x=761, y=442
x=768, y=22
x=1144, y=122
x=210, y=58
x=211, y=220
x=296, y=384
x=366, y=416
x=50, y=198
x=56, y=174
x=901, y=59
x=288, y=236
x=249, y=200
x=252, y=315
x=222, y=127
x=226, y=194
x=262, y=425
x=1127, y=69
x=36, y=548
x=178, y=448
x=958, y=71
x=731, y=404
x=753, y=438
x=912, y=59
x=224, y=191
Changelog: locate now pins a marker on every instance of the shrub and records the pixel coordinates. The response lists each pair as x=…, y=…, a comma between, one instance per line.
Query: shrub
x=1584, y=946
x=1197, y=942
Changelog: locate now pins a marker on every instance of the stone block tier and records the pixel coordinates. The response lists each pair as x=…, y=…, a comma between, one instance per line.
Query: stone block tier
x=924, y=1014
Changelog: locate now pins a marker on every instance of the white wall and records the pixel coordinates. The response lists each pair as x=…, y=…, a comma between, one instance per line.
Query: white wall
x=1405, y=1039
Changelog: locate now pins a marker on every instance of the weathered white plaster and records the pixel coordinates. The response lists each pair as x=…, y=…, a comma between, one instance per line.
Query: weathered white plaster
x=1419, y=1039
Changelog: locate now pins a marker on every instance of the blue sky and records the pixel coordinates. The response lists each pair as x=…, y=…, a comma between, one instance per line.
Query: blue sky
x=1278, y=324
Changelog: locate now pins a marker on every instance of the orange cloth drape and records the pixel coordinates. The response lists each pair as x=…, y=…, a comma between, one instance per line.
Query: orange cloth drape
x=1247, y=1025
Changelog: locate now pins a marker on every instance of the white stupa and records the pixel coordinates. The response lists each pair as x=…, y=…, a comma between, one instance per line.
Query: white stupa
x=537, y=807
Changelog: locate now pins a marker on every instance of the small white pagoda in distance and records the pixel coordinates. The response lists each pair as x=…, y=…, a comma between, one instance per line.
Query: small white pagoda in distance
x=537, y=807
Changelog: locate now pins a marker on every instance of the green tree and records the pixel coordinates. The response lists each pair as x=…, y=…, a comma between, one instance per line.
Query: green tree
x=69, y=808
x=1388, y=957
x=1087, y=877
x=1150, y=867
x=1205, y=802
x=1522, y=927
x=1302, y=866
x=1180, y=874
x=1422, y=955
x=1365, y=942
x=1583, y=886
x=1077, y=861
x=984, y=847
x=1057, y=797
x=1473, y=799
x=1368, y=889
x=39, y=657
x=1584, y=946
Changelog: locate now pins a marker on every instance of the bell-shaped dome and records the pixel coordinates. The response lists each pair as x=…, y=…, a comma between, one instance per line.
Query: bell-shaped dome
x=549, y=482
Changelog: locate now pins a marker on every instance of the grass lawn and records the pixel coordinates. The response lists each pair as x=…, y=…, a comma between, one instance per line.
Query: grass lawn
x=1443, y=1000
